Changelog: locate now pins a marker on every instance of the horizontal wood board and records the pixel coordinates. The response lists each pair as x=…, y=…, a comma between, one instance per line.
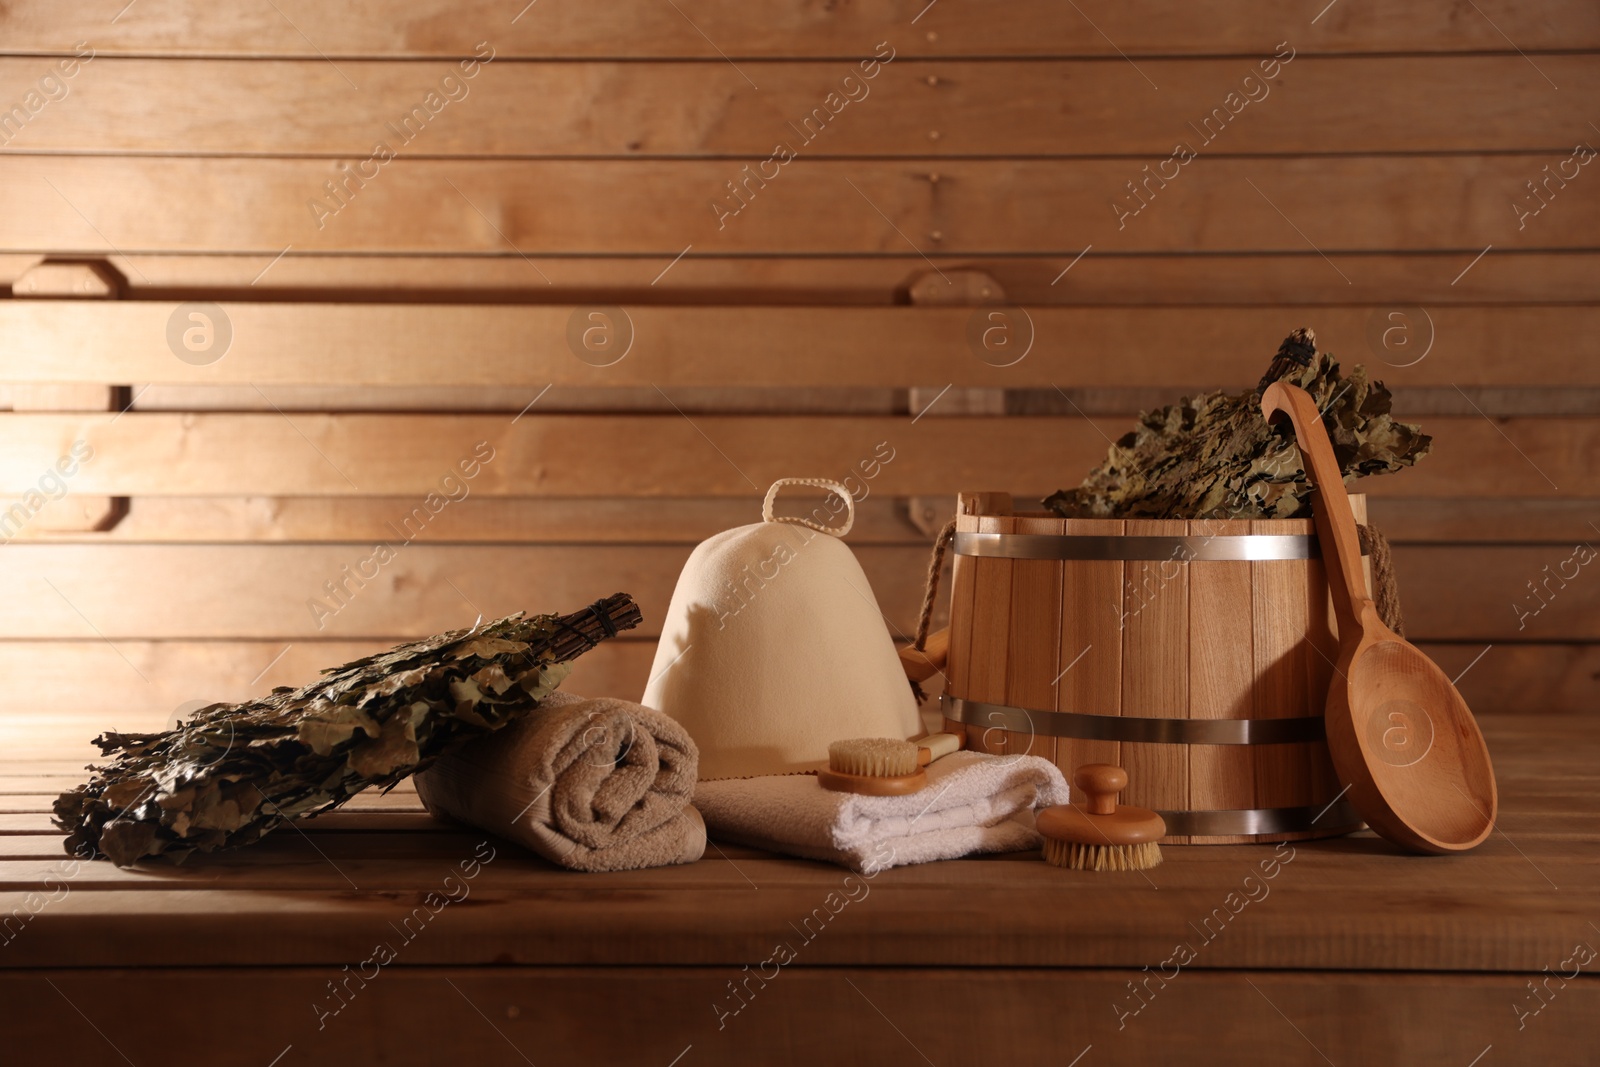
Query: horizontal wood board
x=449, y=28
x=1350, y=903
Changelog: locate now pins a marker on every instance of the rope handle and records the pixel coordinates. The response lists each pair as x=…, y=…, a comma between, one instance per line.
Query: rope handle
x=941, y=545
x=817, y=483
x=1385, y=589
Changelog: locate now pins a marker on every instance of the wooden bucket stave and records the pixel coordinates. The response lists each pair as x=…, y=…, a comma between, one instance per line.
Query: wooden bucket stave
x=1049, y=655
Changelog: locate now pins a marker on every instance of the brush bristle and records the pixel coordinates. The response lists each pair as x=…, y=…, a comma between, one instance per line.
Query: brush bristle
x=1076, y=857
x=873, y=757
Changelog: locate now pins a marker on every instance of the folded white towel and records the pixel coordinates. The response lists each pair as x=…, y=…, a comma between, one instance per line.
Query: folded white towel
x=972, y=803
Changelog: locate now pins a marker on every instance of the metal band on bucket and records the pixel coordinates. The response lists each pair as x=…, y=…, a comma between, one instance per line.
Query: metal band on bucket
x=1338, y=817
x=1085, y=727
x=1119, y=547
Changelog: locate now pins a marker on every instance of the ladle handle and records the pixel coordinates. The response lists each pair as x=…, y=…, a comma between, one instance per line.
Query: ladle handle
x=1336, y=523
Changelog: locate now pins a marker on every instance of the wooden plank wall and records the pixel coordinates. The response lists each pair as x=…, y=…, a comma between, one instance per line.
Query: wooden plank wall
x=278, y=271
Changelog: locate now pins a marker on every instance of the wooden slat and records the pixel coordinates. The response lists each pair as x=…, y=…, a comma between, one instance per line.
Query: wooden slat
x=1221, y=680
x=656, y=925
x=31, y=764
x=986, y=668
x=1033, y=1017
x=75, y=689
x=1506, y=276
x=879, y=520
x=50, y=784
x=641, y=29
x=368, y=802
x=1403, y=104
x=1555, y=821
x=1420, y=403
x=365, y=822
x=199, y=591
x=1524, y=677
x=1034, y=639
x=1155, y=666
x=527, y=347
x=958, y=663
x=1281, y=621
x=1485, y=520
x=1321, y=659
x=1463, y=603
x=1413, y=403
x=604, y=400
x=1091, y=671
x=73, y=772
x=286, y=861
x=139, y=454
x=380, y=857
x=93, y=205
x=381, y=861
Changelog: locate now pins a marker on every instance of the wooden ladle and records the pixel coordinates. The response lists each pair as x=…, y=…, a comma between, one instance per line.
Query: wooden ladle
x=1398, y=731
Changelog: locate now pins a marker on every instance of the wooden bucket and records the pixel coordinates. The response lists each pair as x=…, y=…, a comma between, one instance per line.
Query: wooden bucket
x=1195, y=654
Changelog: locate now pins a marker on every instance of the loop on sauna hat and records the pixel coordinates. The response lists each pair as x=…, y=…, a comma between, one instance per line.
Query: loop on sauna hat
x=773, y=646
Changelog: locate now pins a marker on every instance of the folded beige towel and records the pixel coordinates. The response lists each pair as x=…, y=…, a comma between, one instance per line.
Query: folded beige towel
x=972, y=803
x=594, y=785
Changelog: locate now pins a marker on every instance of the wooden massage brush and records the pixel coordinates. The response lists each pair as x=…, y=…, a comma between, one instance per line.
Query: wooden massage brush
x=1100, y=834
x=881, y=766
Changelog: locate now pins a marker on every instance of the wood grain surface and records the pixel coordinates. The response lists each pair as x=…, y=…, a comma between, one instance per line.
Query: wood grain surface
x=671, y=455
x=388, y=344
x=1274, y=1018
x=1348, y=903
x=1154, y=622
x=1380, y=194
x=1395, y=280
x=979, y=109
x=451, y=28
x=1222, y=666
x=96, y=205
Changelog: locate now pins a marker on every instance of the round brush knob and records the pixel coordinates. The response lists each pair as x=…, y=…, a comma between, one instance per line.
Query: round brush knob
x=1101, y=782
x=1099, y=819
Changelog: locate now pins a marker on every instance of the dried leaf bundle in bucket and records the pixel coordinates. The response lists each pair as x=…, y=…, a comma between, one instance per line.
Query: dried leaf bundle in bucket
x=1214, y=457
x=234, y=772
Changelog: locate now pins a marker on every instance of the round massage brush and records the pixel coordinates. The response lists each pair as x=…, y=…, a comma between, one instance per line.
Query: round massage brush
x=1101, y=835
x=881, y=766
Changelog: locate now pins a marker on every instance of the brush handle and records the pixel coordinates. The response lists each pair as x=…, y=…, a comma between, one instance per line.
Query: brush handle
x=1336, y=523
x=1101, y=821
x=1100, y=782
x=936, y=746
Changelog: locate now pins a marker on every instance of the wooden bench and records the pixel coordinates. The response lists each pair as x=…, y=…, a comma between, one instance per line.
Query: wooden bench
x=361, y=939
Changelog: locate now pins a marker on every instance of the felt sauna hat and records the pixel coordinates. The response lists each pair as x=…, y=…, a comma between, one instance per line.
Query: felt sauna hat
x=773, y=646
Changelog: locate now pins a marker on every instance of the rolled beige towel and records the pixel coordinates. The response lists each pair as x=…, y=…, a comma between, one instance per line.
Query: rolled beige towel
x=590, y=784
